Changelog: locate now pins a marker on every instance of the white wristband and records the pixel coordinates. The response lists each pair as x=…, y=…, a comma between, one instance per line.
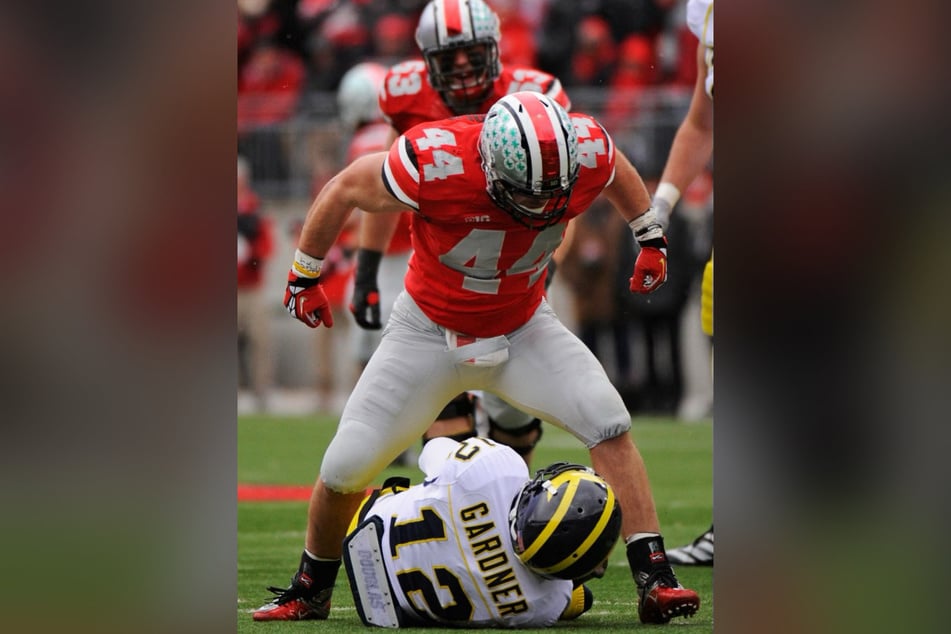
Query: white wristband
x=665, y=198
x=667, y=192
x=646, y=226
x=305, y=265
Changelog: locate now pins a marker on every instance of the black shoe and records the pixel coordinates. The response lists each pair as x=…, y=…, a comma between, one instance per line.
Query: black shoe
x=308, y=596
x=698, y=553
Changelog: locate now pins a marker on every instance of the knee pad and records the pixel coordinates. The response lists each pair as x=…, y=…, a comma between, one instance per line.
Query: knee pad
x=521, y=439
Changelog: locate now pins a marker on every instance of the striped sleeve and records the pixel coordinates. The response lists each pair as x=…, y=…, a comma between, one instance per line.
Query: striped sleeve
x=612, y=159
x=401, y=173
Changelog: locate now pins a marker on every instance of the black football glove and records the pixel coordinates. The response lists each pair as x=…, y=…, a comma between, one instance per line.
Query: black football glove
x=365, y=304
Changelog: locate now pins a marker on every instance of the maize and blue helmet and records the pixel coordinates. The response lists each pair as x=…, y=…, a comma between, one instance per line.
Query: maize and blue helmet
x=565, y=521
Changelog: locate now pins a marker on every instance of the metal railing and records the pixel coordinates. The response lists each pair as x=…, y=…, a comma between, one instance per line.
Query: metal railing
x=290, y=159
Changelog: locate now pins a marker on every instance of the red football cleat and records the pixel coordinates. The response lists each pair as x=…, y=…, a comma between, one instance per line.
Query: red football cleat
x=289, y=605
x=662, y=598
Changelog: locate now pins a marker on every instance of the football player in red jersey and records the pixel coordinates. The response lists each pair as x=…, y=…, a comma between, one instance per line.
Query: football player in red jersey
x=490, y=197
x=460, y=74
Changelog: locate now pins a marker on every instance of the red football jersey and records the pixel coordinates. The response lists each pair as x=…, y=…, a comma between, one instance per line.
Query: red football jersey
x=475, y=269
x=408, y=99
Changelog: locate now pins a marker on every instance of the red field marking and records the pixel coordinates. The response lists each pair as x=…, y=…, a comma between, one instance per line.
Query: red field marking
x=275, y=492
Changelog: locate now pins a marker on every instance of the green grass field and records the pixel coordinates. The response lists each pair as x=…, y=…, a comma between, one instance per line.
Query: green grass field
x=278, y=450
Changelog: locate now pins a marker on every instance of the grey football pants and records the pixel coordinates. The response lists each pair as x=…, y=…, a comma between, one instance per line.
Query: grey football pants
x=549, y=373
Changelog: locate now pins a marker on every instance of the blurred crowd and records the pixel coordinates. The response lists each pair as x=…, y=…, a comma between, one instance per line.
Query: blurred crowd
x=290, y=51
x=287, y=48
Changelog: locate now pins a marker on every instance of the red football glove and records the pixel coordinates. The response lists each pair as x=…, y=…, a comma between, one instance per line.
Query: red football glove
x=650, y=268
x=306, y=301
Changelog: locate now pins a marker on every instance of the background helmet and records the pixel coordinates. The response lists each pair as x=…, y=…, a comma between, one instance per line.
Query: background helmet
x=565, y=521
x=447, y=27
x=358, y=97
x=529, y=151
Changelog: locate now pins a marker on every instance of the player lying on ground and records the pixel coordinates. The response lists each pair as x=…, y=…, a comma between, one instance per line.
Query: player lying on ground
x=478, y=544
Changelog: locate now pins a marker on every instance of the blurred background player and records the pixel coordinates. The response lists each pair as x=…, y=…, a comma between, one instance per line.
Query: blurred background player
x=461, y=74
x=255, y=248
x=363, y=125
x=474, y=315
x=359, y=108
x=689, y=155
x=533, y=560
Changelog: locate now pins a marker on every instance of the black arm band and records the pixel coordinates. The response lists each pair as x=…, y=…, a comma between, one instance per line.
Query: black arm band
x=249, y=225
x=368, y=263
x=657, y=243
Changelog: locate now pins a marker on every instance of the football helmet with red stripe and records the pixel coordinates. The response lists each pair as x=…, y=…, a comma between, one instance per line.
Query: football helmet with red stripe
x=529, y=150
x=459, y=40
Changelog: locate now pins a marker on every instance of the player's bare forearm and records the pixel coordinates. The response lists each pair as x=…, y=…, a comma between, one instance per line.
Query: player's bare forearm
x=689, y=154
x=627, y=191
x=325, y=219
x=693, y=143
x=359, y=185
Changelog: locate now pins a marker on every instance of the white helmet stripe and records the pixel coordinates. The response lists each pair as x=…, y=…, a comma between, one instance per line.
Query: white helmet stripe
x=531, y=140
x=456, y=20
x=533, y=117
x=562, y=144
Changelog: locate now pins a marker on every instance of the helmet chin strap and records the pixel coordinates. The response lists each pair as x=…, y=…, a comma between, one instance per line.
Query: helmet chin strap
x=535, y=210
